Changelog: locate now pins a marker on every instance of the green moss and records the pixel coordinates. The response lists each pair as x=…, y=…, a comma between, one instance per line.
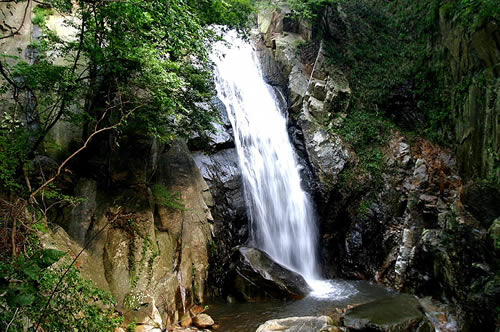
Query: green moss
x=471, y=14
x=164, y=197
x=385, y=46
x=132, y=301
x=131, y=327
x=364, y=207
x=41, y=14
x=367, y=133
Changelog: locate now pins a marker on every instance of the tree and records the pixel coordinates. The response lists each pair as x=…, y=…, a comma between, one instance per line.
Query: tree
x=146, y=56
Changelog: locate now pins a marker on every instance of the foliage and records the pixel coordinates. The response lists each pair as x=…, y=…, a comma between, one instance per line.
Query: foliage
x=137, y=262
x=131, y=327
x=308, y=8
x=472, y=14
x=166, y=198
x=14, y=144
x=233, y=13
x=361, y=129
x=145, y=62
x=364, y=207
x=26, y=283
x=367, y=133
x=41, y=14
x=383, y=47
x=138, y=65
x=371, y=56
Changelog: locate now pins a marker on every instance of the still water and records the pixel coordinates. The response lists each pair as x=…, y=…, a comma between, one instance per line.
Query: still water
x=246, y=317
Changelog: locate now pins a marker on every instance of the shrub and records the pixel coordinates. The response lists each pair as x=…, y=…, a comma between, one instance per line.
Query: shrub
x=28, y=281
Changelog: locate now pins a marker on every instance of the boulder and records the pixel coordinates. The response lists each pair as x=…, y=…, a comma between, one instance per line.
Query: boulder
x=203, y=321
x=147, y=317
x=297, y=324
x=257, y=276
x=401, y=313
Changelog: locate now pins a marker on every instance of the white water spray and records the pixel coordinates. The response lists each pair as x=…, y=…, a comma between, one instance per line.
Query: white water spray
x=283, y=222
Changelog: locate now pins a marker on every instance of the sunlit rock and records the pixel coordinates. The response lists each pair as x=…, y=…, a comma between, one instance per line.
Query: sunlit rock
x=298, y=324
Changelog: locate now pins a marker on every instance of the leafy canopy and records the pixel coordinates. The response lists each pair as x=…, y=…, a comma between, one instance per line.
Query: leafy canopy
x=140, y=65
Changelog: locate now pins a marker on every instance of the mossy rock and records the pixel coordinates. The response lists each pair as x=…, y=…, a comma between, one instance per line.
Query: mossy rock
x=397, y=314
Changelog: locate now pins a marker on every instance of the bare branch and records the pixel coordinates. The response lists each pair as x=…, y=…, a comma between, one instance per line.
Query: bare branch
x=83, y=147
x=13, y=317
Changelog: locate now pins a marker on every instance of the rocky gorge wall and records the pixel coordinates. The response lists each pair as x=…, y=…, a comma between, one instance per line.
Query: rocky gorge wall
x=151, y=254
x=473, y=62
x=412, y=227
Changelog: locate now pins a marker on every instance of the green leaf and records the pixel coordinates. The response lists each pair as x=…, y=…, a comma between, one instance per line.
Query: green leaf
x=49, y=257
x=21, y=295
x=31, y=269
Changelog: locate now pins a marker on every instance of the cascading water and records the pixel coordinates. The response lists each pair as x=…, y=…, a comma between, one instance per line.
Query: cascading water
x=281, y=214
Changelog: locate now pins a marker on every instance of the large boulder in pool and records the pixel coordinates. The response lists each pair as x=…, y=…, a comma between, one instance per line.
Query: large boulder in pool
x=256, y=276
x=298, y=324
x=401, y=313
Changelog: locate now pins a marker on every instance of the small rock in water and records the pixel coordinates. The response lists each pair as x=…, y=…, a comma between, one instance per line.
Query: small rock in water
x=297, y=324
x=203, y=321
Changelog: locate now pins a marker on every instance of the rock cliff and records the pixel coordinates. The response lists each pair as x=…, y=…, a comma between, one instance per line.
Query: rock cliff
x=408, y=224
x=145, y=234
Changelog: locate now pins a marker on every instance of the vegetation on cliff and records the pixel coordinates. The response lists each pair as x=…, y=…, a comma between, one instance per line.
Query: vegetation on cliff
x=409, y=62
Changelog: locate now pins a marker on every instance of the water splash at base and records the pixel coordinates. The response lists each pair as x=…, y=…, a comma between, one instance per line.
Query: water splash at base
x=330, y=289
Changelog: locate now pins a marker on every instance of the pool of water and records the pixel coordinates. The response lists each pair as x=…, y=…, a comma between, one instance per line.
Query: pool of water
x=246, y=317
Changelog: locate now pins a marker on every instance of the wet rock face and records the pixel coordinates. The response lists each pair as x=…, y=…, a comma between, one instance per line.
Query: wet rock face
x=151, y=255
x=401, y=107
x=399, y=314
x=256, y=276
x=271, y=71
x=222, y=173
x=482, y=201
x=475, y=109
x=326, y=152
x=297, y=324
x=414, y=233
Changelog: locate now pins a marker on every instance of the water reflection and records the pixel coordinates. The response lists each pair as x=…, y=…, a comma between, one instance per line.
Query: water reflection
x=246, y=317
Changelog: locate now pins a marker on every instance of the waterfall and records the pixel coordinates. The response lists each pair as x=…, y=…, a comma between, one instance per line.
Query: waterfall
x=282, y=218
